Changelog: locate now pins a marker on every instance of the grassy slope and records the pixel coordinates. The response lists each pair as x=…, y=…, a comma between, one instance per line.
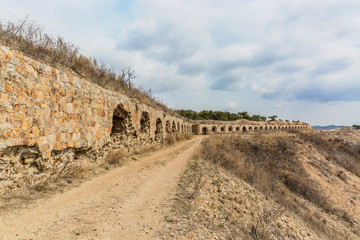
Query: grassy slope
x=286, y=185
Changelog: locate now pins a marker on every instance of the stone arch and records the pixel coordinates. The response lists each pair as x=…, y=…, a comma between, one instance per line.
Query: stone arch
x=173, y=129
x=214, y=128
x=168, y=127
x=223, y=129
x=250, y=128
x=261, y=128
x=244, y=129
x=121, y=120
x=159, y=126
x=237, y=129
x=145, y=122
x=255, y=128
x=182, y=128
x=230, y=128
x=204, y=130
x=270, y=127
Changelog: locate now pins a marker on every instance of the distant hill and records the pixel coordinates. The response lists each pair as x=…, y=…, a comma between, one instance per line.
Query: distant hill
x=329, y=127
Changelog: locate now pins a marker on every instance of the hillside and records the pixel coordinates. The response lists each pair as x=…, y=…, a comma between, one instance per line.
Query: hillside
x=287, y=185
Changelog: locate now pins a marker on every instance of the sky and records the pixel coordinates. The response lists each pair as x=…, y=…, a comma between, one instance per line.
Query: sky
x=298, y=59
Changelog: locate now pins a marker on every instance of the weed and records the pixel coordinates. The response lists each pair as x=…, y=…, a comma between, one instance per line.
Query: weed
x=116, y=157
x=268, y=217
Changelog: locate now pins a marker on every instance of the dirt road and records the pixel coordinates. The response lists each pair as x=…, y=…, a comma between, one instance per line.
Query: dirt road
x=124, y=203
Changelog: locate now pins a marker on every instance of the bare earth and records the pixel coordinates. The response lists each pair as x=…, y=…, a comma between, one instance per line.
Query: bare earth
x=124, y=203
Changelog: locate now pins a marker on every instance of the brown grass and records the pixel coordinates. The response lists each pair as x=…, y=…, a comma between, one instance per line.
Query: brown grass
x=26, y=36
x=336, y=150
x=269, y=162
x=172, y=139
x=116, y=157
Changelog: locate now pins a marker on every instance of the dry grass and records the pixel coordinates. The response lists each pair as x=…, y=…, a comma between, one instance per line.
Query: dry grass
x=264, y=160
x=172, y=139
x=23, y=197
x=336, y=150
x=116, y=157
x=270, y=163
x=26, y=36
x=212, y=203
x=146, y=149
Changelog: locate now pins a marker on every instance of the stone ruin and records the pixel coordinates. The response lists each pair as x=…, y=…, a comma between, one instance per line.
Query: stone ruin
x=49, y=119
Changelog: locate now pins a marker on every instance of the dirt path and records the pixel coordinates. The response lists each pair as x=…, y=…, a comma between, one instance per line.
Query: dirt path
x=125, y=203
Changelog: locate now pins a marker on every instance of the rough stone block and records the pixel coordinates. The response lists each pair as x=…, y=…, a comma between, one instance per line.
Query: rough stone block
x=25, y=124
x=8, y=87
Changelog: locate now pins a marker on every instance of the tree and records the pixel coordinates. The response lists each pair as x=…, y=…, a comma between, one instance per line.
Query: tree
x=222, y=116
x=273, y=117
x=356, y=126
x=244, y=115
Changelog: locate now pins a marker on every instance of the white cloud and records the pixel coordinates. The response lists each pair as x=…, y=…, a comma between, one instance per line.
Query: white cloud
x=279, y=50
x=232, y=106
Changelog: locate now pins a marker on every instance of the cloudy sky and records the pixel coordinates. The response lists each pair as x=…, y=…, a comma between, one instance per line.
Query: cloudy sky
x=297, y=59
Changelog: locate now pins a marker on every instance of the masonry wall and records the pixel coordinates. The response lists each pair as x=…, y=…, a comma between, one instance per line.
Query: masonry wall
x=203, y=128
x=53, y=109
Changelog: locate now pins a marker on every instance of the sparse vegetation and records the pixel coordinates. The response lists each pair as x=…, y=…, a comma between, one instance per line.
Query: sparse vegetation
x=171, y=139
x=336, y=150
x=261, y=230
x=293, y=179
x=270, y=162
x=116, y=157
x=27, y=36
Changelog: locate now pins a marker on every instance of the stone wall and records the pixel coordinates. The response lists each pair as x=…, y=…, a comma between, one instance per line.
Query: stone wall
x=213, y=127
x=48, y=110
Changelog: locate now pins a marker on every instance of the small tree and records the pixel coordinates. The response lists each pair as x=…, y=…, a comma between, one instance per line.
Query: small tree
x=272, y=118
x=244, y=115
x=356, y=126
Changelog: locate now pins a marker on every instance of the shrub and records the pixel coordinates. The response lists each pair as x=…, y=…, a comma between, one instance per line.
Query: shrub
x=116, y=157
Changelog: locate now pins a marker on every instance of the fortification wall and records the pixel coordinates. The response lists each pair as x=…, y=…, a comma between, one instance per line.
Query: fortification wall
x=49, y=110
x=213, y=127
